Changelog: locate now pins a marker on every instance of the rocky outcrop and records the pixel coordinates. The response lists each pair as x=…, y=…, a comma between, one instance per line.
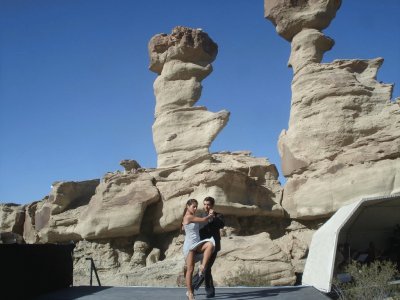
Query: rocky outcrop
x=130, y=226
x=268, y=260
x=243, y=185
x=118, y=206
x=11, y=222
x=56, y=217
x=151, y=201
x=130, y=165
x=182, y=60
x=343, y=140
x=275, y=250
x=31, y=235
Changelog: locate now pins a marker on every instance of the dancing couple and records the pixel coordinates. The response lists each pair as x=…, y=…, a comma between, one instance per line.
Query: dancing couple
x=202, y=242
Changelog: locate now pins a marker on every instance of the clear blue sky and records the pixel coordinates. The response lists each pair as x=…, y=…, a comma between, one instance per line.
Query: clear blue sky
x=76, y=95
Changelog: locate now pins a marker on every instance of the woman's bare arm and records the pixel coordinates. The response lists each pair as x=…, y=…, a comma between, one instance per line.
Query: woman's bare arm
x=194, y=219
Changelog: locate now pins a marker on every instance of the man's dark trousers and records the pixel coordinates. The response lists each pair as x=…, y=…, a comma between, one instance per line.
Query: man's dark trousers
x=207, y=278
x=208, y=231
x=210, y=290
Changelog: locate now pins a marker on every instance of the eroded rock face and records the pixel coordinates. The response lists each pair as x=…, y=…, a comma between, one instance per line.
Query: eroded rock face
x=117, y=208
x=65, y=195
x=185, y=44
x=151, y=201
x=109, y=256
x=54, y=218
x=182, y=60
x=130, y=165
x=11, y=223
x=247, y=191
x=11, y=217
x=343, y=140
x=267, y=260
x=62, y=227
x=70, y=194
x=30, y=234
x=153, y=257
x=140, y=251
x=274, y=249
x=242, y=185
x=308, y=47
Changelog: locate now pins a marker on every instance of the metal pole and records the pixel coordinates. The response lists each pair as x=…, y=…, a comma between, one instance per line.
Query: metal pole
x=91, y=269
x=95, y=273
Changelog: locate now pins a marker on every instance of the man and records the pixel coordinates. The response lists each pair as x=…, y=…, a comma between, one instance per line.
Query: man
x=211, y=229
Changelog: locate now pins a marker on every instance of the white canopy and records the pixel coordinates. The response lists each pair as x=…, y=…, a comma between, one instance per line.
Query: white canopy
x=366, y=220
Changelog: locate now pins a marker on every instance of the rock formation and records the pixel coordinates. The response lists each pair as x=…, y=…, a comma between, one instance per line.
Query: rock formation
x=343, y=140
x=55, y=218
x=243, y=185
x=118, y=206
x=131, y=225
x=292, y=16
x=182, y=60
x=11, y=223
x=130, y=221
x=276, y=256
x=130, y=165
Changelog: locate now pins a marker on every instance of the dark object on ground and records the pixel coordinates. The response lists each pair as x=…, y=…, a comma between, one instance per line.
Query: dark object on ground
x=31, y=270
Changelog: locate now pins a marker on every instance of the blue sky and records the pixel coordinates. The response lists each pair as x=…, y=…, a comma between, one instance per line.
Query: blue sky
x=76, y=95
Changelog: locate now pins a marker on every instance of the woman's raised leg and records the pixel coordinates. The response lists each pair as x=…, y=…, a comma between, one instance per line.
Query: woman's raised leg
x=207, y=249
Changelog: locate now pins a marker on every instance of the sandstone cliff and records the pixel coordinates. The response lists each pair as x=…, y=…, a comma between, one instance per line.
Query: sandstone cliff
x=129, y=221
x=343, y=139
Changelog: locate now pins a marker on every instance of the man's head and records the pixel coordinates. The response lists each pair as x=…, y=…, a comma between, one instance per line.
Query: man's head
x=208, y=203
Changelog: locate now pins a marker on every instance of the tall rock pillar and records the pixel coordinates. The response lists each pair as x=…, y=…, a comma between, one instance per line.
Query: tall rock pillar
x=343, y=139
x=181, y=131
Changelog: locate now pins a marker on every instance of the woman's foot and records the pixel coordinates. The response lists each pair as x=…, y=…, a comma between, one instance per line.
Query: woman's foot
x=190, y=296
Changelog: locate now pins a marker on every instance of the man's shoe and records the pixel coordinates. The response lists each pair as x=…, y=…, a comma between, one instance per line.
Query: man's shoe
x=212, y=295
x=210, y=292
x=197, y=281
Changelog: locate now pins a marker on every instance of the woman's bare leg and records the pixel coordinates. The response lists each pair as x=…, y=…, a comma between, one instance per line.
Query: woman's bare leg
x=189, y=273
x=207, y=249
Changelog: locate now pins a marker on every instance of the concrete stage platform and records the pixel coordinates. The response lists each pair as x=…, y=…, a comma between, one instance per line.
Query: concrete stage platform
x=163, y=293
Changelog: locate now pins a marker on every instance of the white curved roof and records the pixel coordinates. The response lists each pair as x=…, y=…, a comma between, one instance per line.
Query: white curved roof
x=358, y=223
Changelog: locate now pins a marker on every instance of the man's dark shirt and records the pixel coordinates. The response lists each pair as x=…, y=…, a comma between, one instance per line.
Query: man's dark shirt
x=211, y=229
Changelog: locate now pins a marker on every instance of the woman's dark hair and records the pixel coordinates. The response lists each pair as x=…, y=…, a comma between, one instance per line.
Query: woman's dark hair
x=188, y=203
x=209, y=199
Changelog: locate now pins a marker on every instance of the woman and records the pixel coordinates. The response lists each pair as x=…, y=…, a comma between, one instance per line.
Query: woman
x=193, y=246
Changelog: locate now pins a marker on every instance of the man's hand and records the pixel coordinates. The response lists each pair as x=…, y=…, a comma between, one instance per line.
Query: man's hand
x=211, y=215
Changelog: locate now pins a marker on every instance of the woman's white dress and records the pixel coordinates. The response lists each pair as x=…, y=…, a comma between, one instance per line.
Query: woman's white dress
x=192, y=239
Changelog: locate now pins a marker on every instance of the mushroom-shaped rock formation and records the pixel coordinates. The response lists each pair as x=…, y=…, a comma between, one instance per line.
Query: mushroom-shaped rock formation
x=182, y=60
x=292, y=16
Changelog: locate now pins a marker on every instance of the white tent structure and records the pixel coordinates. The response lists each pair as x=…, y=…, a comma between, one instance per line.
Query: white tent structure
x=361, y=222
